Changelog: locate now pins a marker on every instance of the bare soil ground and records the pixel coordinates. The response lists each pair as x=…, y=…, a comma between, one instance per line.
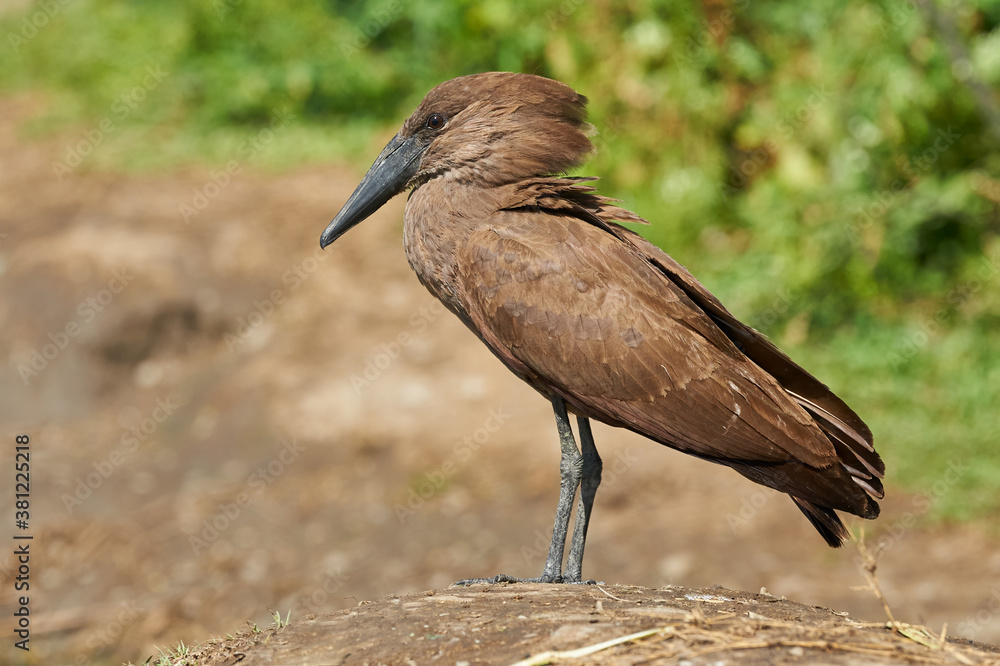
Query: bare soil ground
x=539, y=624
x=225, y=420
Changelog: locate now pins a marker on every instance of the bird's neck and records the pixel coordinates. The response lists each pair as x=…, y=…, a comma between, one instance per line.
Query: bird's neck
x=440, y=214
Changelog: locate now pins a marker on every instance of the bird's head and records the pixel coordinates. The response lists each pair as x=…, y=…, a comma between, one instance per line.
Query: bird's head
x=489, y=129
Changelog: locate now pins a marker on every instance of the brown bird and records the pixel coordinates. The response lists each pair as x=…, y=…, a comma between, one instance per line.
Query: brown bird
x=594, y=317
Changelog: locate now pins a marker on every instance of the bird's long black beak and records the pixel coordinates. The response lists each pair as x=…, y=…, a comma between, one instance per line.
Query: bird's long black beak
x=385, y=179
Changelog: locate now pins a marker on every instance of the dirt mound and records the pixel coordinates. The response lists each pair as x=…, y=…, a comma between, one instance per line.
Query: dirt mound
x=542, y=624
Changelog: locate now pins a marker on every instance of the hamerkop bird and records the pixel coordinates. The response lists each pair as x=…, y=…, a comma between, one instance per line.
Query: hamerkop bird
x=595, y=318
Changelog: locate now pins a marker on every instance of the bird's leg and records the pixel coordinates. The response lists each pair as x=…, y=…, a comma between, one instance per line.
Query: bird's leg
x=571, y=466
x=589, y=482
x=570, y=471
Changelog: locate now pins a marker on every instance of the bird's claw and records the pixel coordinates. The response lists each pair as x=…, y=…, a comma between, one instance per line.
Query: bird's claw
x=504, y=578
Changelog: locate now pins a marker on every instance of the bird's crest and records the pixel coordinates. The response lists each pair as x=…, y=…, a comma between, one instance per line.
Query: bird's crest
x=501, y=127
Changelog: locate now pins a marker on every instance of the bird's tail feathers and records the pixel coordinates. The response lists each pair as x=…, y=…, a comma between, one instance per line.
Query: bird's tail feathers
x=856, y=454
x=825, y=520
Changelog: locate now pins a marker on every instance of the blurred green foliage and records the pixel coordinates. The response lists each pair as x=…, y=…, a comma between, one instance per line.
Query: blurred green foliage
x=831, y=170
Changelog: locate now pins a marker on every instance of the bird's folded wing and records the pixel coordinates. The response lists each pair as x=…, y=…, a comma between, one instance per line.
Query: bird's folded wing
x=850, y=436
x=581, y=314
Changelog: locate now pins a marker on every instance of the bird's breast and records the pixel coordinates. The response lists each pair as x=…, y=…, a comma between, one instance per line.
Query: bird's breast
x=433, y=233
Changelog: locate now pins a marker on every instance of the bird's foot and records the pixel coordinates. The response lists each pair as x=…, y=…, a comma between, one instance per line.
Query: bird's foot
x=504, y=578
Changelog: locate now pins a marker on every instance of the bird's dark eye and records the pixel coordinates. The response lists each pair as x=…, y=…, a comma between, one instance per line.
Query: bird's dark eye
x=435, y=121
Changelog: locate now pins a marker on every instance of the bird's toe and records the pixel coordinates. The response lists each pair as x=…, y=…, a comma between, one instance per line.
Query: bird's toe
x=504, y=578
